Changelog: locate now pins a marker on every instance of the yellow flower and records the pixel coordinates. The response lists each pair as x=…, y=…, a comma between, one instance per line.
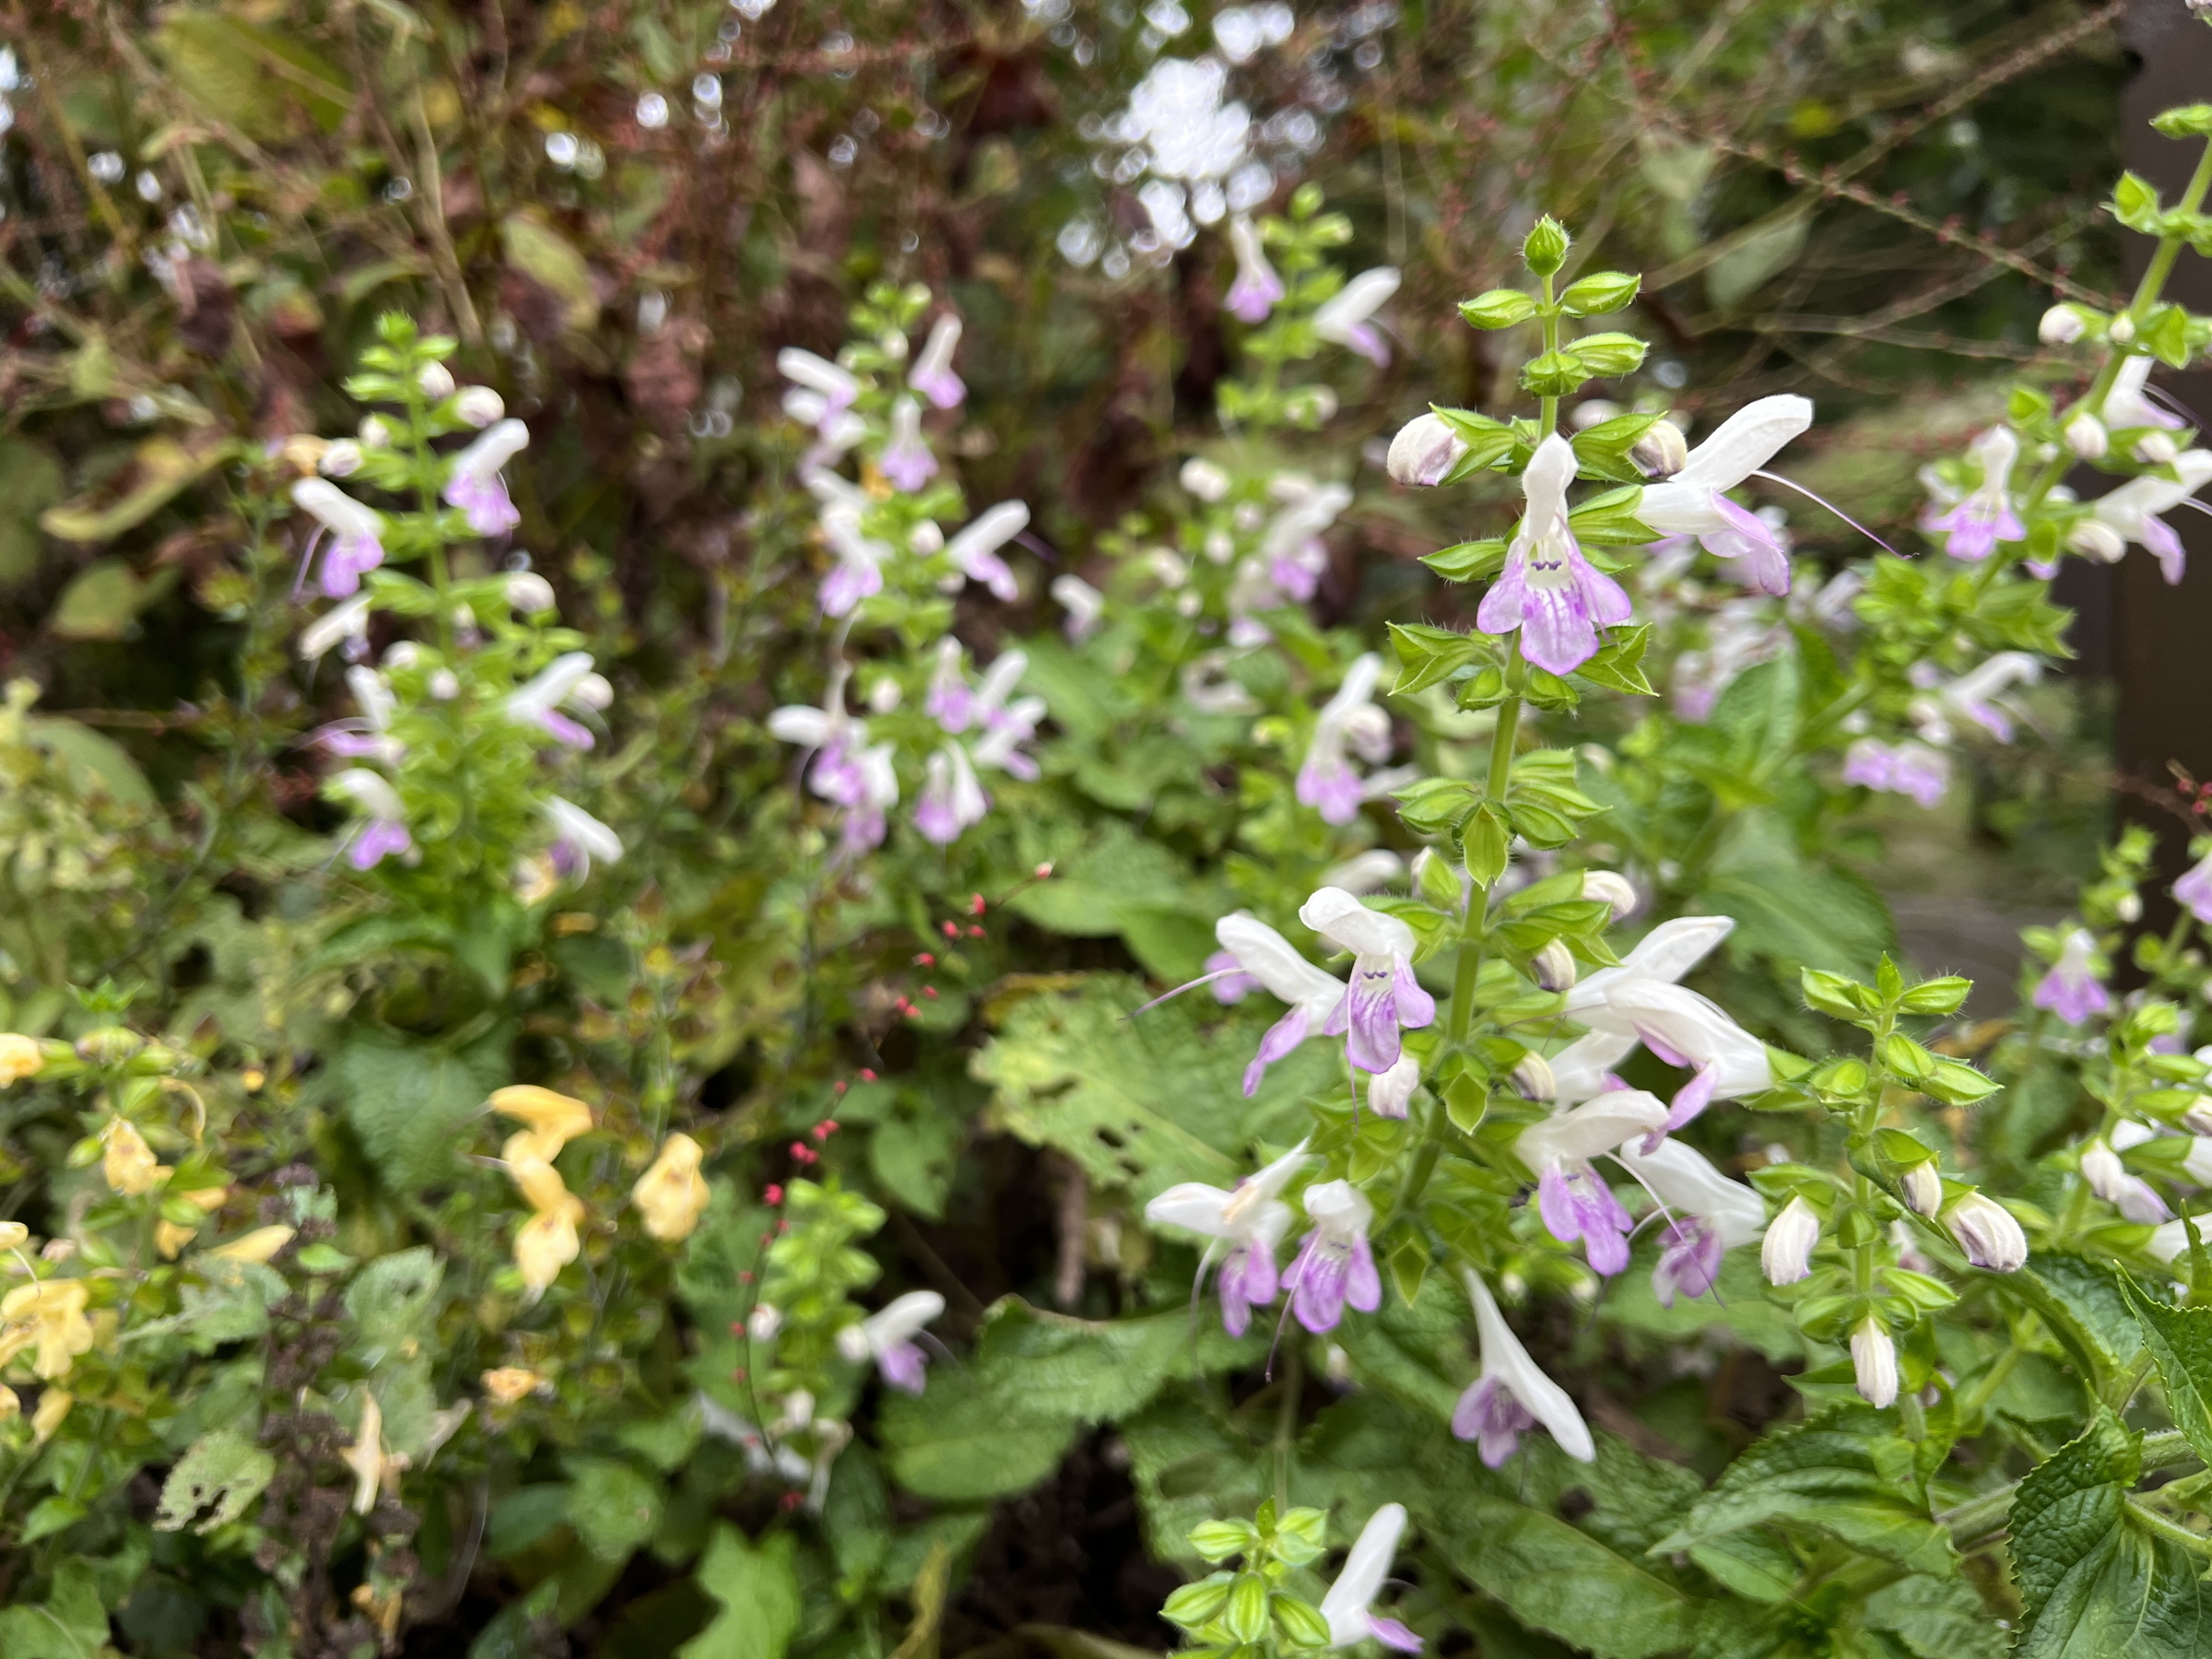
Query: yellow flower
x=671, y=1193
x=53, y=1405
x=257, y=1246
x=548, y=1242
x=127, y=1162
x=170, y=1237
x=11, y=1404
x=20, y=1057
x=14, y=1235
x=553, y=1120
x=510, y=1383
x=366, y=1456
x=52, y=1314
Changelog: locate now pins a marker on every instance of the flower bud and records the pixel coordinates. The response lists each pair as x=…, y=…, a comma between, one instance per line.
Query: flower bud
x=1874, y=1357
x=1785, y=1255
x=479, y=406
x=1986, y=1231
x=884, y=695
x=593, y=692
x=762, y=1324
x=2085, y=437
x=2122, y=331
x=1424, y=451
x=853, y=1343
x=2094, y=539
x=376, y=433
x=110, y=1045
x=926, y=540
x=1553, y=967
x=1615, y=890
x=2157, y=448
x=340, y=460
x=508, y=1384
x=20, y=1057
x=530, y=593
x=126, y=1161
x=445, y=685
x=1533, y=1078
x=1204, y=479
x=2197, y=1120
x=2130, y=908
x=1593, y=411
x=1923, y=1189
x=2062, y=325
x=1661, y=452
x=436, y=381
x=14, y=1235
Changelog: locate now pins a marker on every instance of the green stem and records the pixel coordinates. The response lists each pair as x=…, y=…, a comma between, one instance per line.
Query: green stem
x=1978, y=1517
x=1971, y=1400
x=1548, y=420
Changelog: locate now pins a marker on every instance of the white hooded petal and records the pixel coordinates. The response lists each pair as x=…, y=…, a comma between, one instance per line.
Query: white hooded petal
x=817, y=374
x=898, y=1319
x=1683, y=1181
x=369, y=792
x=573, y=824
x=1667, y=953
x=349, y=620
x=1355, y=303
x=1590, y=1130
x=797, y=724
x=1193, y=1206
x=1504, y=1358
x=1344, y=922
x=338, y=512
x=1579, y=1070
x=1551, y=471
x=1697, y=1028
x=492, y=449
x=550, y=685
x=1376, y=868
x=1339, y=1209
x=1271, y=958
x=2125, y=508
x=1739, y=446
x=988, y=532
x=1344, y=1605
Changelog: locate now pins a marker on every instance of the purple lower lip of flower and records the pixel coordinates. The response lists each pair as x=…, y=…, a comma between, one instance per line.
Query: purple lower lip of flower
x=1392, y=1634
x=952, y=707
x=2071, y=996
x=1691, y=1098
x=2158, y=539
x=904, y=1365
x=1297, y=579
x=379, y=838
x=356, y=746
x=1367, y=340
x=1751, y=538
x=942, y=388
x=350, y=556
x=561, y=728
x=1252, y=297
x=1235, y=985
x=836, y=775
x=1248, y=1279
x=1975, y=527
x=1690, y=1260
x=908, y=467
x=1558, y=608
x=847, y=585
x=1281, y=1037
x=935, y=817
x=1332, y=788
x=990, y=570
x=1325, y=1276
x=484, y=503
x=864, y=830
x=1489, y=1414
x=1577, y=1205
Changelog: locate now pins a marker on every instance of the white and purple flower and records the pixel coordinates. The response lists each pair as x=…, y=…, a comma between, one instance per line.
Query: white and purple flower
x=951, y=799
x=1512, y=1395
x=2071, y=989
x=888, y=1337
x=2194, y=891
x=1326, y=780
x=1383, y=996
x=1611, y=1002
x=1984, y=517
x=538, y=701
x=578, y=837
x=1255, y=292
x=1347, y=1606
x=1342, y=317
x=384, y=829
x=932, y=374
x=1548, y=589
x=2133, y=510
x=975, y=548
x=1693, y=501
x=907, y=461
x=1335, y=1266
x=1571, y=1196
x=1251, y=1220
x=1252, y=954
x=355, y=534
x=1709, y=1215
x=474, y=484
x=1909, y=768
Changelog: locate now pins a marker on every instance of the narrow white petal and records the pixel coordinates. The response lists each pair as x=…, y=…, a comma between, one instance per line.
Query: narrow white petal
x=1275, y=964
x=1743, y=442
x=1193, y=1206
x=1340, y=918
x=1551, y=470
x=1689, y=1185
x=901, y=1317
x=1596, y=1126
x=1504, y=1358
x=1344, y=1605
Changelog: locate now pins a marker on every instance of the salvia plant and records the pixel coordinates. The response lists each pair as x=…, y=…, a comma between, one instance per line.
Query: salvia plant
x=943, y=1039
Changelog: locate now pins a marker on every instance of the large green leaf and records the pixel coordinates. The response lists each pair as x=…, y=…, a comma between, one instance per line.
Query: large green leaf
x=1935, y=1618
x=1142, y=1103
x=69, y=1624
x=2179, y=1340
x=408, y=1103
x=1003, y=1421
x=222, y=1473
x=1841, y=1473
x=2095, y=1584
x=758, y=1590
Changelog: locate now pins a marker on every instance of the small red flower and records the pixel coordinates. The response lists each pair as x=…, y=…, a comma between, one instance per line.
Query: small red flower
x=773, y=1196
x=867, y=1075
x=975, y=904
x=926, y=961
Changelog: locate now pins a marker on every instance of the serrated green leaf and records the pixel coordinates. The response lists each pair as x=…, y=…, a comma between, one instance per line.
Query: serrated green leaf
x=2179, y=1340
x=758, y=1590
